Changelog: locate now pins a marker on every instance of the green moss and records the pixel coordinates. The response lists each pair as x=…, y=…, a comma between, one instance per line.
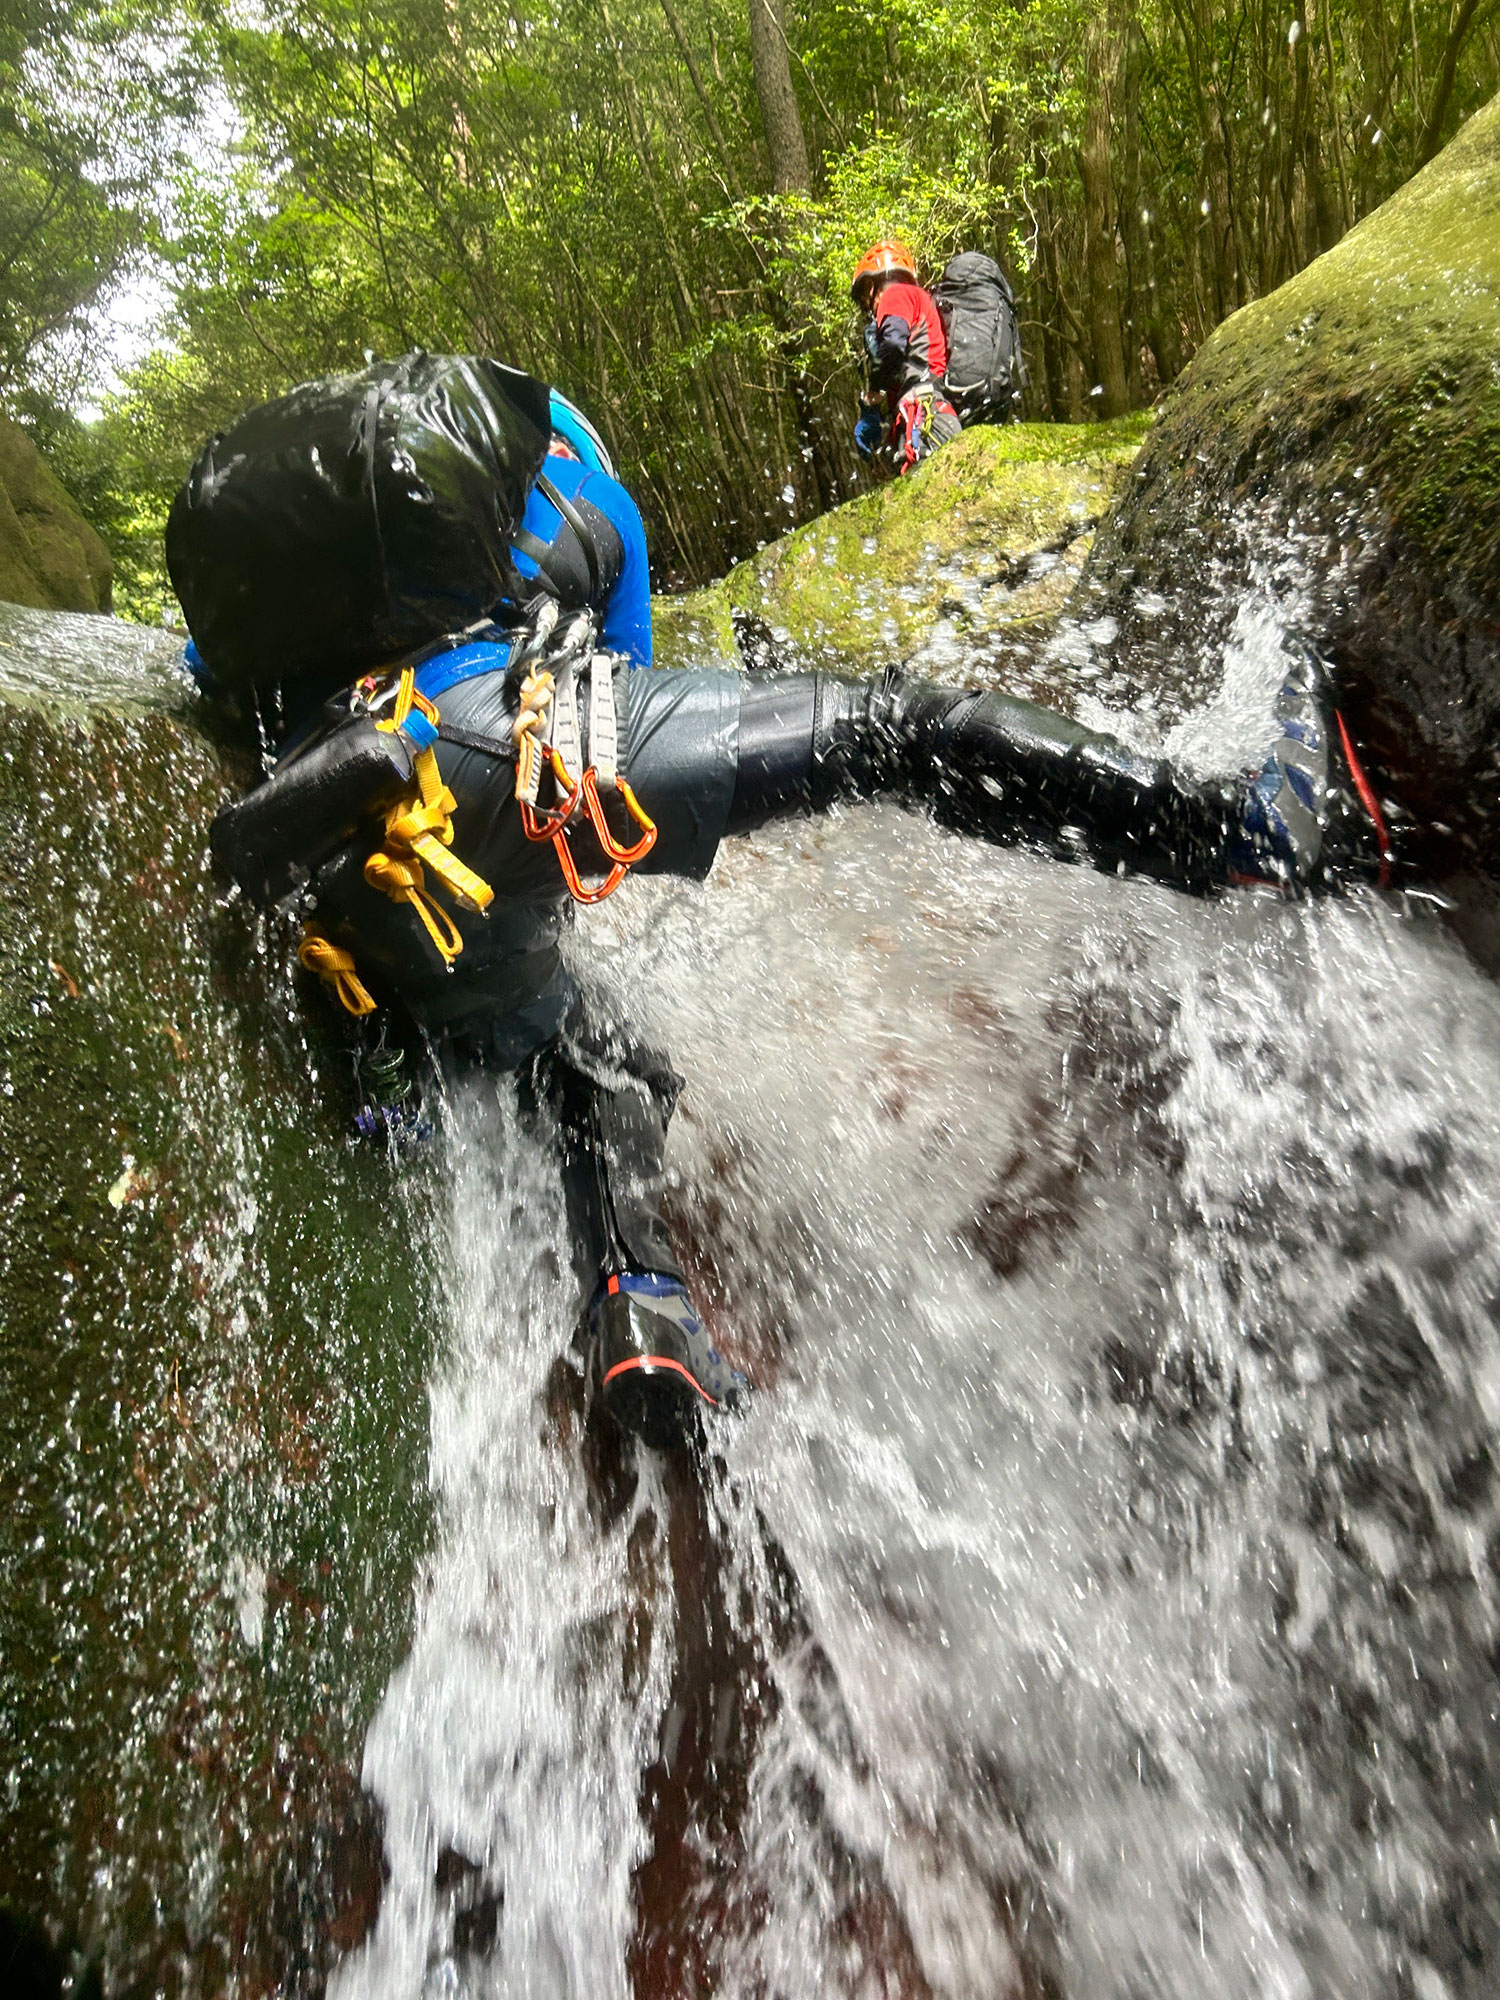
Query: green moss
x=874, y=580
x=1365, y=390
x=49, y=556
x=693, y=629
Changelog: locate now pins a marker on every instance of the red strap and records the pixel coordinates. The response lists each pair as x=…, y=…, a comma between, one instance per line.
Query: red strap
x=658, y=1361
x=1370, y=803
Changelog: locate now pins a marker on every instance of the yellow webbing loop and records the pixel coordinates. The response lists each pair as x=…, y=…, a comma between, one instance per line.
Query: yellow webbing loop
x=420, y=830
x=400, y=877
x=427, y=829
x=335, y=968
x=536, y=699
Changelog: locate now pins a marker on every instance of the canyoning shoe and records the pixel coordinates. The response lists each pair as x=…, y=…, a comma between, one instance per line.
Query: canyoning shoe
x=652, y=1362
x=1310, y=812
x=1284, y=810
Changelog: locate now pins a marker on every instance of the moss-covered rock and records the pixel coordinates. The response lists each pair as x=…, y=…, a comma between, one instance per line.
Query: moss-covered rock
x=980, y=544
x=216, y=1324
x=1343, y=437
x=49, y=555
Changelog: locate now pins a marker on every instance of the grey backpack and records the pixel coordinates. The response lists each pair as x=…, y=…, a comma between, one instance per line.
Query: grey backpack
x=985, y=374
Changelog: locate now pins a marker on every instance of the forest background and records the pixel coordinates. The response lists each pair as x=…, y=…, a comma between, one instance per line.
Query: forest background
x=657, y=204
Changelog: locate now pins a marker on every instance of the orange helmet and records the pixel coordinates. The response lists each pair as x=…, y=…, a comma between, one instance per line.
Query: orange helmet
x=882, y=260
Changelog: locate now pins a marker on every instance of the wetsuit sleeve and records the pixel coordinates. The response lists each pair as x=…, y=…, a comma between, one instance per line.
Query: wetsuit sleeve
x=886, y=343
x=627, y=610
x=713, y=754
x=679, y=732
x=982, y=764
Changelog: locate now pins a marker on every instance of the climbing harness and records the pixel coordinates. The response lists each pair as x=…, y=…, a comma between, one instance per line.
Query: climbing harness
x=924, y=420
x=547, y=740
x=546, y=733
x=418, y=835
x=419, y=831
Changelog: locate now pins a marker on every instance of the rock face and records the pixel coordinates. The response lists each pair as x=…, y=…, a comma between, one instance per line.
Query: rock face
x=977, y=550
x=216, y=1322
x=1343, y=437
x=49, y=555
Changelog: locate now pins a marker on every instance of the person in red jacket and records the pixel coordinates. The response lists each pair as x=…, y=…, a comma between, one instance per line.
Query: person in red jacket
x=905, y=410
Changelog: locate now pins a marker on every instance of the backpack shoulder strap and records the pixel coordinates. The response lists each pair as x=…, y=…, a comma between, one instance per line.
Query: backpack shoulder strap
x=533, y=546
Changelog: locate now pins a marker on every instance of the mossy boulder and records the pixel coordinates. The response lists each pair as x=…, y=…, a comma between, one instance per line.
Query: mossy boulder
x=977, y=548
x=50, y=557
x=217, y=1319
x=1341, y=439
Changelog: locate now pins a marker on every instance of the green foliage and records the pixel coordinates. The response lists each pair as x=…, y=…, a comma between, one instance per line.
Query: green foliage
x=809, y=247
x=93, y=99
x=582, y=187
x=60, y=242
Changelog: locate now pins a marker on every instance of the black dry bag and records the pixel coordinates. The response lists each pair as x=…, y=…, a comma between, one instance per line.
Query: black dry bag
x=356, y=518
x=985, y=376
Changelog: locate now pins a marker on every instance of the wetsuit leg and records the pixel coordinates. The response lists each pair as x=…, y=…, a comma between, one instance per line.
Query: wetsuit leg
x=985, y=764
x=613, y=1100
x=651, y=1362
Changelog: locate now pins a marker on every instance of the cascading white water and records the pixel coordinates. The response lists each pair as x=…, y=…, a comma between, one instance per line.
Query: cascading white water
x=508, y=1750
x=1120, y=1273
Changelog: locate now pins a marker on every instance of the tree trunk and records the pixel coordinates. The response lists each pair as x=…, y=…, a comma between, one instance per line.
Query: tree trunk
x=685, y=49
x=771, y=60
x=1049, y=378
x=1432, y=131
x=1132, y=230
x=1300, y=230
x=1099, y=220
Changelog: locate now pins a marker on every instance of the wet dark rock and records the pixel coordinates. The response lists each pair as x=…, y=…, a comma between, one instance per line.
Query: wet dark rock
x=33, y=1967
x=211, y=1427
x=475, y=1903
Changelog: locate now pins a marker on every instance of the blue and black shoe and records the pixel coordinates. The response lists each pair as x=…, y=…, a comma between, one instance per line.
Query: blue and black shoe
x=1310, y=808
x=1284, y=811
x=652, y=1362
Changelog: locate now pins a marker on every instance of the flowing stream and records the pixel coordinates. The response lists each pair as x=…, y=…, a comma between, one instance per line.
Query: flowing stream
x=1099, y=1599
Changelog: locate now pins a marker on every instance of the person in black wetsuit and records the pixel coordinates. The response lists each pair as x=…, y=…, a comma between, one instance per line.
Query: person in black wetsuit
x=352, y=544
x=706, y=754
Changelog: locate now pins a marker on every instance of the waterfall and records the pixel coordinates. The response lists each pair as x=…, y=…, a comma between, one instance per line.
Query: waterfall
x=1098, y=1598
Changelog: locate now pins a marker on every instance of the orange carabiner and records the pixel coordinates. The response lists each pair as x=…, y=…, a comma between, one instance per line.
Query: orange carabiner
x=547, y=822
x=551, y=823
x=625, y=857
x=574, y=880
x=541, y=825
